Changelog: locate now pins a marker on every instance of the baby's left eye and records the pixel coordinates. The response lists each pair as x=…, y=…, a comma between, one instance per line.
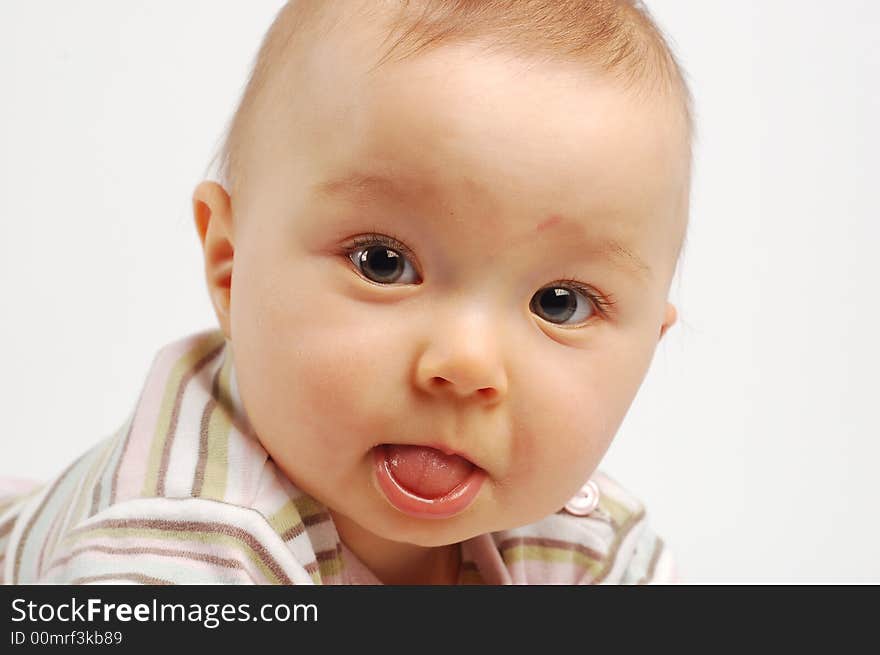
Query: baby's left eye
x=558, y=303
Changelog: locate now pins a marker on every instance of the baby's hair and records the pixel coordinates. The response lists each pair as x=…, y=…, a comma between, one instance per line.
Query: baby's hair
x=617, y=38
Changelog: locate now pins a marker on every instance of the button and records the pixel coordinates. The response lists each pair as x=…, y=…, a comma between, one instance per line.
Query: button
x=584, y=501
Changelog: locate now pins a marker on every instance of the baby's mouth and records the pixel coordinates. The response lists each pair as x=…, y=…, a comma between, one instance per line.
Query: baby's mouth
x=425, y=482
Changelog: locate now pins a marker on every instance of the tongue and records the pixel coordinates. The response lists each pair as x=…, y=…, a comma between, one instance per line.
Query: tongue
x=426, y=471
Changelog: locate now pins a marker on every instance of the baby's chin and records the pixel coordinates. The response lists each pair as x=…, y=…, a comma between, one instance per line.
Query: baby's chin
x=427, y=533
x=435, y=533
x=393, y=525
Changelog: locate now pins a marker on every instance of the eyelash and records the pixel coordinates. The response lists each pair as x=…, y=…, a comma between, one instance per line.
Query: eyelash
x=389, y=241
x=604, y=303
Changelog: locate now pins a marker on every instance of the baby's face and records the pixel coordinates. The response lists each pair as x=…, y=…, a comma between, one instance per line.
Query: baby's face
x=415, y=251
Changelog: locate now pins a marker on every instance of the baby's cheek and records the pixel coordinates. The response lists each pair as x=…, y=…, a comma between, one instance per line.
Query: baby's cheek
x=563, y=429
x=343, y=374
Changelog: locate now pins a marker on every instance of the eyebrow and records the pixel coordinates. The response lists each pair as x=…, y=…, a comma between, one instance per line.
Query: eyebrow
x=624, y=259
x=360, y=187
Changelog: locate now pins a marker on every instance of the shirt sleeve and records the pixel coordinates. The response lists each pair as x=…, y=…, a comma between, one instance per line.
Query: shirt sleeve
x=652, y=562
x=174, y=541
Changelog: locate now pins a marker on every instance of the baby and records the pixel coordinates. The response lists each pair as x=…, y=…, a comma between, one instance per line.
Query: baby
x=439, y=254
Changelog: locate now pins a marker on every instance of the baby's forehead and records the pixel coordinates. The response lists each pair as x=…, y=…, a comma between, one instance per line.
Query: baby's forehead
x=484, y=133
x=486, y=123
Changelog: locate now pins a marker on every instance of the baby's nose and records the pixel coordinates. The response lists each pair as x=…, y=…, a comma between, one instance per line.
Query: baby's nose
x=463, y=358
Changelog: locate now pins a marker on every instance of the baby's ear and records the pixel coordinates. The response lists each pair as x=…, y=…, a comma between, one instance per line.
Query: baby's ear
x=212, y=211
x=668, y=320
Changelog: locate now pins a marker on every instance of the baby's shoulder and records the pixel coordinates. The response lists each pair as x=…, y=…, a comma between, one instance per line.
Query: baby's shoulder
x=618, y=506
x=75, y=529
x=613, y=544
x=173, y=541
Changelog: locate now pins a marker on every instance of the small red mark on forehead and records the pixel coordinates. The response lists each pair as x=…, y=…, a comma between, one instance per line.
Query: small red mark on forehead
x=550, y=222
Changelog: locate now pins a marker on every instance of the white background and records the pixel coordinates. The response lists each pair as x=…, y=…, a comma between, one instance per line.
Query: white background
x=754, y=439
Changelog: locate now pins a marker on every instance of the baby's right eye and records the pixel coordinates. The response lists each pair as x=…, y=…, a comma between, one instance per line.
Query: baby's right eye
x=382, y=260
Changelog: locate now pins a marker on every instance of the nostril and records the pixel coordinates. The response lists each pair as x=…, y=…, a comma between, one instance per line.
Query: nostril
x=486, y=393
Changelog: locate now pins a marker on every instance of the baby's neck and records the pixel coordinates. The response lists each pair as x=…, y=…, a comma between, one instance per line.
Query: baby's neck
x=396, y=563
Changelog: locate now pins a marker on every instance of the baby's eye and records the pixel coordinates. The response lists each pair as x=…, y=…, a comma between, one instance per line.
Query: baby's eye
x=381, y=261
x=385, y=260
x=558, y=303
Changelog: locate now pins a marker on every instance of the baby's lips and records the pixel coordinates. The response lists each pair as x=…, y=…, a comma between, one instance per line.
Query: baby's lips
x=406, y=500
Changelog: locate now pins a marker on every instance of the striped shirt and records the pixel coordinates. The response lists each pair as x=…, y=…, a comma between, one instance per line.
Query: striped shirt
x=183, y=493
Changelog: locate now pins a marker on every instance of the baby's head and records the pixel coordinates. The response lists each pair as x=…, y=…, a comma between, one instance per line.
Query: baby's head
x=450, y=224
